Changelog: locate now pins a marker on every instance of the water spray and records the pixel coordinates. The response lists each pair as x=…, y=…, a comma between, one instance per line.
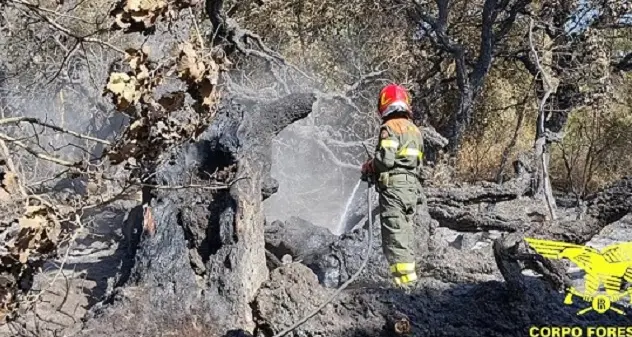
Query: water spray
x=343, y=218
x=370, y=180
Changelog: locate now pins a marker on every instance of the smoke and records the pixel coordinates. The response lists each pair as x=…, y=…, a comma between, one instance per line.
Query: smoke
x=316, y=179
x=73, y=106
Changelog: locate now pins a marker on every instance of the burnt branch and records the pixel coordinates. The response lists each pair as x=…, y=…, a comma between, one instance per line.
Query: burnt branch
x=31, y=120
x=541, y=140
x=39, y=154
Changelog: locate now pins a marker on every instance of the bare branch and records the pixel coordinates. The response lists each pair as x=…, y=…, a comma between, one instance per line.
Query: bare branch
x=367, y=78
x=54, y=24
x=39, y=154
x=17, y=120
x=11, y=165
x=197, y=29
x=540, y=143
x=470, y=73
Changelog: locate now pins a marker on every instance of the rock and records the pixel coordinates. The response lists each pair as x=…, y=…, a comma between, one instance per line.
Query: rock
x=343, y=257
x=238, y=333
x=616, y=232
x=399, y=324
x=612, y=202
x=293, y=292
x=296, y=237
x=286, y=259
x=449, y=264
x=269, y=187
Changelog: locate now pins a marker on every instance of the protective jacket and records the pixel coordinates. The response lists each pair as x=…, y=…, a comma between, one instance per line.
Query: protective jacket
x=400, y=148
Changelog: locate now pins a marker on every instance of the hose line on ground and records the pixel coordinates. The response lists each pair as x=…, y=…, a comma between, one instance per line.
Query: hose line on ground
x=346, y=284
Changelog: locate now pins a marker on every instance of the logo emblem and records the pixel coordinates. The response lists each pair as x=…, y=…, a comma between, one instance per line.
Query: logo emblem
x=608, y=268
x=384, y=100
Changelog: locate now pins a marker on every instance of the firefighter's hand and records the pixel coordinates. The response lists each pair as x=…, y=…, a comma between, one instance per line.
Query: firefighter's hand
x=367, y=168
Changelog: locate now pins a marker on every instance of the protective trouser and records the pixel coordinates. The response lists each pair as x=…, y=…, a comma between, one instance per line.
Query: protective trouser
x=398, y=202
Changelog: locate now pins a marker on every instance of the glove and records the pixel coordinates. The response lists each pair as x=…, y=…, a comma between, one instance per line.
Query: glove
x=367, y=169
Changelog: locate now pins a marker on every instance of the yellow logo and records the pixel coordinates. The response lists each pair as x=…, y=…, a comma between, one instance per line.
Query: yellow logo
x=608, y=267
x=384, y=100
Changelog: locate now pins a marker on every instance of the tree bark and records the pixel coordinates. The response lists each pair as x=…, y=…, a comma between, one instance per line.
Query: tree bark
x=206, y=257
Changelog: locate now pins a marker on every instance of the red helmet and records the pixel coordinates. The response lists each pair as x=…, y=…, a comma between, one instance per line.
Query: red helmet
x=393, y=98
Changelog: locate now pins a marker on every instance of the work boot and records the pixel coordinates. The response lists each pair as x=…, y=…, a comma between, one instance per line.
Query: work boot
x=407, y=283
x=406, y=288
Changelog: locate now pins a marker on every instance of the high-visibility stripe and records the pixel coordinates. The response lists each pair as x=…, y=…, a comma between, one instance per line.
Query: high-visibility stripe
x=389, y=143
x=408, y=278
x=403, y=268
x=404, y=152
x=405, y=279
x=410, y=152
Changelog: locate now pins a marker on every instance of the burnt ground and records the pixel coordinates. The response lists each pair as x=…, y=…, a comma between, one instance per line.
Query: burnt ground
x=460, y=294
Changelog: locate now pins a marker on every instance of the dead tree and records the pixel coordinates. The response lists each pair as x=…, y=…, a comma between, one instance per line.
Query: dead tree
x=498, y=17
x=540, y=146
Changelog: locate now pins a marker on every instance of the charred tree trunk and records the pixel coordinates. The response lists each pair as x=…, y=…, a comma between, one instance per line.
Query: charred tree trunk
x=557, y=90
x=204, y=257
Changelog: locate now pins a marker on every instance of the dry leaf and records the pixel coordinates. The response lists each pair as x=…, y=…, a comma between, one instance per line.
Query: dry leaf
x=139, y=15
x=207, y=91
x=123, y=87
x=34, y=223
x=10, y=182
x=172, y=101
x=132, y=5
x=143, y=72
x=30, y=241
x=4, y=195
x=137, y=124
x=189, y=68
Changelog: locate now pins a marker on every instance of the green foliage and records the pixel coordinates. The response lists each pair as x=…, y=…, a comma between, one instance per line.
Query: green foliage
x=596, y=147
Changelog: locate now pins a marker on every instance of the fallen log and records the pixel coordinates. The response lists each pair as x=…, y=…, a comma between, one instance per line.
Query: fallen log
x=512, y=255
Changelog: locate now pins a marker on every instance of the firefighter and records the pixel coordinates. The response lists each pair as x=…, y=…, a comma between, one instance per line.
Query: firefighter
x=395, y=168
